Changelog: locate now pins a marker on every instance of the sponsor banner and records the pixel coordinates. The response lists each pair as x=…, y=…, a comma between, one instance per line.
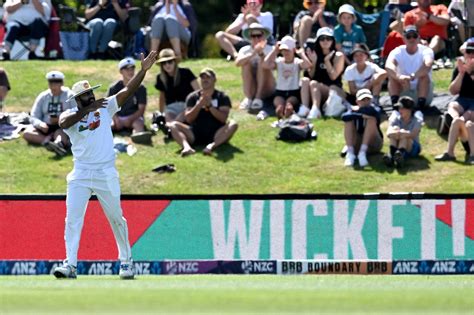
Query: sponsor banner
x=219, y=267
x=431, y=267
x=334, y=267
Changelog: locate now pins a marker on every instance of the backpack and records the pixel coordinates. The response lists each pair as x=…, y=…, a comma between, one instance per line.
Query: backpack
x=444, y=123
x=296, y=130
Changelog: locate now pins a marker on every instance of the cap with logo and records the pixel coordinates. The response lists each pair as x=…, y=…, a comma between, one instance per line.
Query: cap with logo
x=126, y=63
x=363, y=93
x=55, y=76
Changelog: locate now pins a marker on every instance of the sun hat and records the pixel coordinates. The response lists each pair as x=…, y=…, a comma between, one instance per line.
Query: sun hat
x=55, y=76
x=209, y=72
x=81, y=87
x=255, y=27
x=363, y=93
x=126, y=63
x=324, y=31
x=288, y=43
x=165, y=55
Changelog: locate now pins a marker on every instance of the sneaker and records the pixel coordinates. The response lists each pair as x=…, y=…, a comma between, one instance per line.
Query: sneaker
x=387, y=160
x=448, y=64
x=5, y=56
x=245, y=104
x=262, y=115
x=362, y=157
x=419, y=115
x=256, y=104
x=314, y=113
x=126, y=271
x=343, y=151
x=55, y=147
x=398, y=159
x=65, y=271
x=445, y=157
x=470, y=160
x=303, y=111
x=350, y=159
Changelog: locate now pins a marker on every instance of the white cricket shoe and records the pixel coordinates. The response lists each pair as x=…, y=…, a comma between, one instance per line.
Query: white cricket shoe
x=126, y=271
x=65, y=271
x=350, y=159
x=362, y=158
x=303, y=111
x=314, y=113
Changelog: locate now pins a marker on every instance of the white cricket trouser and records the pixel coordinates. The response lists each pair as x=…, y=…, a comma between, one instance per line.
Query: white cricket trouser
x=105, y=184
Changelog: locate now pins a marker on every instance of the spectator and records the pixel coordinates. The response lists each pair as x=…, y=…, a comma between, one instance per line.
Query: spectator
x=103, y=18
x=45, y=113
x=171, y=21
x=347, y=33
x=26, y=18
x=364, y=74
x=4, y=88
x=324, y=78
x=288, y=76
x=175, y=84
x=130, y=115
x=458, y=15
x=461, y=110
x=307, y=22
x=361, y=129
x=403, y=133
x=409, y=70
x=205, y=118
x=230, y=41
x=432, y=22
x=258, y=82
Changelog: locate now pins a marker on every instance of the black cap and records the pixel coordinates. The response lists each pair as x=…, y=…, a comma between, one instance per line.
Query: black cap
x=405, y=102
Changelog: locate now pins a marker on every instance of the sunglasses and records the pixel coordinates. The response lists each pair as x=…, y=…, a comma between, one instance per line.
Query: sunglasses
x=469, y=52
x=259, y=35
x=325, y=38
x=167, y=62
x=413, y=36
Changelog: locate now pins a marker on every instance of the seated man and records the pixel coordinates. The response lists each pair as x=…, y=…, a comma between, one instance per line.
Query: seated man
x=403, y=132
x=251, y=13
x=308, y=22
x=258, y=82
x=45, y=116
x=131, y=113
x=206, y=118
x=4, y=88
x=409, y=70
x=461, y=111
x=26, y=18
x=432, y=22
x=361, y=129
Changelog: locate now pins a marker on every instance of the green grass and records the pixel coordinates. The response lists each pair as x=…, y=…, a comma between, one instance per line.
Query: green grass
x=254, y=162
x=238, y=294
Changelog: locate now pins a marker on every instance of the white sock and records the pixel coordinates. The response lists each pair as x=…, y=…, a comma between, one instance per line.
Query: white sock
x=363, y=148
x=350, y=149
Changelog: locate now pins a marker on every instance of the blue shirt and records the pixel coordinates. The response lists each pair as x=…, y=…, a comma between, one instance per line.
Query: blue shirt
x=349, y=40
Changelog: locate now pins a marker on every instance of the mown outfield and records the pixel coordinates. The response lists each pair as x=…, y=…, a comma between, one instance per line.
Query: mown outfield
x=254, y=162
x=206, y=294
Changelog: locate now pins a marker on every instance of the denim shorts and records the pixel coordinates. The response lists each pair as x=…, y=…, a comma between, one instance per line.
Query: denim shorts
x=466, y=103
x=415, y=150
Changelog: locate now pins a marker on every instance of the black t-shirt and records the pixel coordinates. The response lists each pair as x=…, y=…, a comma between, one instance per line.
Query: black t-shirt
x=181, y=91
x=108, y=12
x=131, y=105
x=467, y=85
x=205, y=121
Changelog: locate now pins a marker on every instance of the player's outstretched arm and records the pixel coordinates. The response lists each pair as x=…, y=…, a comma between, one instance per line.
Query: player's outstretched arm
x=68, y=119
x=134, y=83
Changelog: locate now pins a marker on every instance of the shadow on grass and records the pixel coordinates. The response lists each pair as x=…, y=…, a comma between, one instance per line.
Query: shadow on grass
x=226, y=152
x=419, y=163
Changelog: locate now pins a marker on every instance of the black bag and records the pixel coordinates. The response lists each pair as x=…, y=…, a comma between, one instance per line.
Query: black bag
x=296, y=131
x=444, y=123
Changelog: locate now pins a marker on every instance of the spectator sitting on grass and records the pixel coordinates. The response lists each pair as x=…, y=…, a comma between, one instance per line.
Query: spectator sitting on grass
x=288, y=76
x=347, y=33
x=462, y=110
x=361, y=129
x=308, y=22
x=206, y=117
x=49, y=104
x=403, y=133
x=130, y=115
x=364, y=74
x=258, y=83
x=230, y=41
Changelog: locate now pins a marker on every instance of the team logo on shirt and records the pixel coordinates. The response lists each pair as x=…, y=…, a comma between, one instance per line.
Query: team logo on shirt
x=92, y=125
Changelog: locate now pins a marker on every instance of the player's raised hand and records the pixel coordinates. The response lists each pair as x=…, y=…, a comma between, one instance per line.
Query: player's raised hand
x=149, y=61
x=100, y=103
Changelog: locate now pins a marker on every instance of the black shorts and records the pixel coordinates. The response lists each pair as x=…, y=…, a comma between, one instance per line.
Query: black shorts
x=287, y=94
x=51, y=129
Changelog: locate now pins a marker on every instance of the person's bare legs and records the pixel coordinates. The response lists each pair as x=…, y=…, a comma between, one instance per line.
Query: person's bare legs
x=249, y=83
x=184, y=136
x=265, y=82
x=279, y=103
x=370, y=131
x=470, y=136
x=33, y=136
x=176, y=45
x=223, y=135
x=305, y=91
x=227, y=41
x=304, y=30
x=455, y=131
x=155, y=44
x=319, y=93
x=423, y=86
x=437, y=44
x=349, y=134
x=379, y=79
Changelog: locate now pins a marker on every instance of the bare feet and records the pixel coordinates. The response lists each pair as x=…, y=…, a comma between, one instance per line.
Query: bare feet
x=187, y=151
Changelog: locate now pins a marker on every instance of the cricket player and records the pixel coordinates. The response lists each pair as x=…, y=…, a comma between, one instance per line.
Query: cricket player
x=88, y=127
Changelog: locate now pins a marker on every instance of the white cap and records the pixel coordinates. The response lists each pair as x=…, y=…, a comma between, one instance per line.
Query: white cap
x=126, y=62
x=288, y=43
x=363, y=93
x=327, y=31
x=346, y=8
x=55, y=75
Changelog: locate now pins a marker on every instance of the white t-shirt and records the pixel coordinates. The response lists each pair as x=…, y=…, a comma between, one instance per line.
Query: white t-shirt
x=408, y=64
x=27, y=13
x=91, y=138
x=361, y=78
x=265, y=19
x=248, y=50
x=288, y=74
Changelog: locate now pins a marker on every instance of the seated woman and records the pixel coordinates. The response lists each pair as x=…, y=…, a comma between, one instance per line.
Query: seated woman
x=171, y=21
x=403, y=132
x=323, y=81
x=103, y=17
x=174, y=84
